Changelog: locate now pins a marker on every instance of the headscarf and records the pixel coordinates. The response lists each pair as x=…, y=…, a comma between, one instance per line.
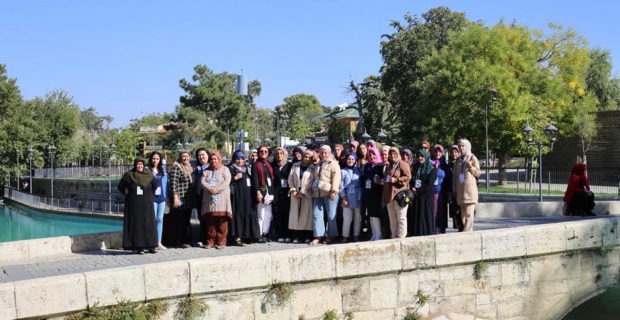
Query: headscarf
x=219, y=156
x=329, y=151
x=237, y=155
x=140, y=178
x=377, y=155
x=371, y=143
x=283, y=161
x=579, y=169
x=187, y=168
x=394, y=149
x=385, y=148
x=453, y=147
x=426, y=167
x=261, y=174
x=351, y=154
x=339, y=145
x=311, y=153
x=467, y=145
x=355, y=143
x=408, y=152
x=297, y=150
x=438, y=146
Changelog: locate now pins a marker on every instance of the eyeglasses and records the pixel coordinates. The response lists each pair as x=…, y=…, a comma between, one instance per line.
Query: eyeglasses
x=424, y=147
x=263, y=151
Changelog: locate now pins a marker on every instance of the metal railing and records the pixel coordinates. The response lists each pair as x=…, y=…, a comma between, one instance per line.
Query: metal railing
x=116, y=171
x=87, y=206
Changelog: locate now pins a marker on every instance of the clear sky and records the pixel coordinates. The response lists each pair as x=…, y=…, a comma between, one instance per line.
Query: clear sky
x=125, y=58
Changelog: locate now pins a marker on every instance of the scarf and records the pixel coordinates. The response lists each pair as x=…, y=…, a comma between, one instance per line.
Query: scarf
x=410, y=154
x=351, y=154
x=260, y=168
x=377, y=154
x=297, y=150
x=426, y=167
x=329, y=151
x=219, y=165
x=140, y=178
x=238, y=154
x=467, y=146
x=284, y=160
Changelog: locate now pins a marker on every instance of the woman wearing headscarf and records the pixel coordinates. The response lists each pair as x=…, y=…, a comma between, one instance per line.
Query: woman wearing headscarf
x=339, y=154
x=396, y=179
x=326, y=189
x=440, y=209
x=202, y=163
x=372, y=192
x=464, y=184
x=300, y=180
x=422, y=186
x=453, y=156
x=244, y=222
x=160, y=193
x=282, y=202
x=181, y=187
x=351, y=195
x=362, y=154
x=407, y=156
x=262, y=190
x=216, y=207
x=253, y=158
x=297, y=154
x=139, y=226
x=578, y=197
x=385, y=150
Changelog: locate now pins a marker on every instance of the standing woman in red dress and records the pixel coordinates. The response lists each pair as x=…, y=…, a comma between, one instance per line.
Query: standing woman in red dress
x=578, y=197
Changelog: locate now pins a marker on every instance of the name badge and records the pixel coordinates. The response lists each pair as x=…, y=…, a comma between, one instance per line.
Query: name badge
x=269, y=181
x=248, y=181
x=158, y=191
x=387, y=179
x=284, y=183
x=351, y=189
x=436, y=182
x=367, y=184
x=461, y=177
x=139, y=191
x=316, y=183
x=418, y=184
x=212, y=182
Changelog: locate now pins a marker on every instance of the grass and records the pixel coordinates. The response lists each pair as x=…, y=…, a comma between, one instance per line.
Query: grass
x=124, y=310
x=190, y=308
x=279, y=294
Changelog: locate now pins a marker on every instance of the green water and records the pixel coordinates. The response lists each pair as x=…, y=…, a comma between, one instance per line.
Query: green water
x=602, y=307
x=21, y=223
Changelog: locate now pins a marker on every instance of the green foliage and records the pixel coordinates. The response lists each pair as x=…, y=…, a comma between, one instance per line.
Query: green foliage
x=338, y=131
x=330, y=315
x=480, y=270
x=279, y=294
x=412, y=315
x=301, y=317
x=601, y=82
x=302, y=111
x=124, y=310
x=349, y=315
x=190, y=308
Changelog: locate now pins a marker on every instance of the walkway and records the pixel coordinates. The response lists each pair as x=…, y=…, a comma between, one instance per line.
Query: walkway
x=108, y=259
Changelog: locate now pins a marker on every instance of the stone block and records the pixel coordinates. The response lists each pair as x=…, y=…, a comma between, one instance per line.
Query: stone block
x=7, y=301
x=551, y=288
x=108, y=287
x=511, y=308
x=545, y=239
x=509, y=243
x=458, y=248
x=409, y=284
x=483, y=299
x=49, y=246
x=313, y=301
x=545, y=268
x=458, y=304
x=374, y=315
x=14, y=250
x=368, y=258
x=455, y=273
x=580, y=291
x=233, y=308
x=311, y=264
x=570, y=266
x=214, y=274
x=167, y=279
x=611, y=234
x=418, y=252
x=515, y=272
x=511, y=293
x=584, y=234
x=487, y=311
x=460, y=287
x=355, y=294
x=383, y=293
x=116, y=240
x=50, y=295
x=88, y=242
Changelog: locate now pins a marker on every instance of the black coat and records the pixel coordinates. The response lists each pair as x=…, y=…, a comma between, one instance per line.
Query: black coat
x=421, y=222
x=371, y=198
x=139, y=226
x=244, y=223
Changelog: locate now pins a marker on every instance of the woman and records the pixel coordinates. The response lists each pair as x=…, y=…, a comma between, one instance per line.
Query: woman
x=440, y=209
x=160, y=193
x=216, y=207
x=262, y=191
x=139, y=226
x=202, y=163
x=372, y=192
x=253, y=158
x=453, y=209
x=578, y=197
x=325, y=193
x=407, y=156
x=351, y=195
x=362, y=154
x=464, y=184
x=282, y=202
x=385, y=150
x=181, y=187
x=422, y=186
x=396, y=179
x=244, y=222
x=300, y=182
x=297, y=154
x=339, y=153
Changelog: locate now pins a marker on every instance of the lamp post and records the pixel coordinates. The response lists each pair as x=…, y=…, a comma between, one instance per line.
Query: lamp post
x=186, y=145
x=52, y=153
x=493, y=93
x=382, y=137
x=551, y=132
x=30, y=154
x=256, y=142
x=17, y=174
x=366, y=137
x=267, y=141
x=112, y=149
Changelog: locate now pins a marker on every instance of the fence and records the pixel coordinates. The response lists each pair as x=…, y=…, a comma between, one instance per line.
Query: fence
x=92, y=206
x=90, y=172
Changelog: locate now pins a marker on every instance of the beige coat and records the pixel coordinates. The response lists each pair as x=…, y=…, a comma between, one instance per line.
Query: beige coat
x=466, y=191
x=300, y=214
x=399, y=180
x=222, y=205
x=328, y=172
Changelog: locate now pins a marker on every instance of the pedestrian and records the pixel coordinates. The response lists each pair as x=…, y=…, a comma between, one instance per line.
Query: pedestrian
x=465, y=185
x=216, y=207
x=160, y=194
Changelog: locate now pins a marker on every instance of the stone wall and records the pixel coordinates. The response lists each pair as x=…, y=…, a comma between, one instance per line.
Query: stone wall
x=535, y=272
x=82, y=188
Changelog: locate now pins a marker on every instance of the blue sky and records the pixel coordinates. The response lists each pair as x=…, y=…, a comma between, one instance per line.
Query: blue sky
x=125, y=58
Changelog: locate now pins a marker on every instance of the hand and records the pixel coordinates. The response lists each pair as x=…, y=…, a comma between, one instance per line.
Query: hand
x=332, y=196
x=177, y=203
x=377, y=180
x=238, y=176
x=126, y=191
x=470, y=164
x=345, y=203
x=259, y=197
x=212, y=191
x=415, y=192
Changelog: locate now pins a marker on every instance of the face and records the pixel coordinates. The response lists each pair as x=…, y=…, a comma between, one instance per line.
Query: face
x=240, y=162
x=454, y=153
x=350, y=161
x=263, y=153
x=373, y=157
x=437, y=154
x=363, y=149
x=324, y=154
x=254, y=156
x=214, y=160
x=353, y=148
x=307, y=158
x=424, y=146
x=384, y=156
x=297, y=156
x=393, y=156
x=279, y=155
x=203, y=157
x=406, y=157
x=420, y=158
x=338, y=150
x=155, y=160
x=462, y=148
x=185, y=158
x=140, y=166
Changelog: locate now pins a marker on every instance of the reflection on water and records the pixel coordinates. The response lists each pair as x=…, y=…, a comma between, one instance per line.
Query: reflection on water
x=21, y=223
x=602, y=307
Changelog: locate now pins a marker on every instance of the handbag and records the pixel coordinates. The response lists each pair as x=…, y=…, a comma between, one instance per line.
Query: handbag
x=404, y=198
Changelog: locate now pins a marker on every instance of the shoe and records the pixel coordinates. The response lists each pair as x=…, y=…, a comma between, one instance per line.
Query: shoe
x=261, y=240
x=296, y=240
x=152, y=251
x=239, y=242
x=287, y=240
x=186, y=246
x=161, y=247
x=280, y=240
x=307, y=241
x=356, y=239
x=373, y=238
x=314, y=242
x=344, y=240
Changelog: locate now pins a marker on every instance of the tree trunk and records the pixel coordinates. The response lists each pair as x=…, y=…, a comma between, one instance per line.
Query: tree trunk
x=502, y=159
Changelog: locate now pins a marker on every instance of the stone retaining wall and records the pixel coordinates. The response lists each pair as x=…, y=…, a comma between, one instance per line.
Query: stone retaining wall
x=534, y=272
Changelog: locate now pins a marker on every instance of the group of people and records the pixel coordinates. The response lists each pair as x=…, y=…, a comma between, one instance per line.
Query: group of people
x=320, y=196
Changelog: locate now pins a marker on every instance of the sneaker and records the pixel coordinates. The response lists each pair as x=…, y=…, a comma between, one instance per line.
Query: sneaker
x=307, y=241
x=287, y=240
x=280, y=240
x=296, y=240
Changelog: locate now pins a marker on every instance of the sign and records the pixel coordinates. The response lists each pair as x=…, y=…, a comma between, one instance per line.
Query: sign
x=154, y=147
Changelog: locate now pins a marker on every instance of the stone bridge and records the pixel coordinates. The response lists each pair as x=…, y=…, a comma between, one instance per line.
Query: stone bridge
x=527, y=272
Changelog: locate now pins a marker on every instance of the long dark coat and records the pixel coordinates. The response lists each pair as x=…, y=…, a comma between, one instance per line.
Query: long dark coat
x=371, y=198
x=282, y=201
x=244, y=223
x=420, y=214
x=139, y=226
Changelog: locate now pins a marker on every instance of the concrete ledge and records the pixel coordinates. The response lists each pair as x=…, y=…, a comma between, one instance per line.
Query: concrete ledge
x=303, y=265
x=166, y=279
x=507, y=244
x=109, y=287
x=418, y=252
x=459, y=248
x=227, y=273
x=7, y=301
x=49, y=296
x=368, y=258
x=537, y=209
x=550, y=238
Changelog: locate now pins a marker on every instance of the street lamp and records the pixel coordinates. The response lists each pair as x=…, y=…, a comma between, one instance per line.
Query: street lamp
x=52, y=152
x=30, y=154
x=267, y=141
x=17, y=175
x=366, y=137
x=256, y=142
x=382, y=137
x=179, y=146
x=112, y=149
x=493, y=93
x=551, y=132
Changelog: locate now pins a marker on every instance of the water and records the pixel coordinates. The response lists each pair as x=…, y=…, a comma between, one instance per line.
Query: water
x=602, y=307
x=21, y=223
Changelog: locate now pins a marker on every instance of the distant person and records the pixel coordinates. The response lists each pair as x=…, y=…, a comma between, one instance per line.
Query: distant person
x=282, y=201
x=262, y=191
x=160, y=193
x=326, y=188
x=183, y=198
x=464, y=184
x=578, y=197
x=139, y=226
x=396, y=177
x=422, y=185
x=216, y=206
x=300, y=181
x=351, y=195
x=244, y=223
x=202, y=163
x=372, y=192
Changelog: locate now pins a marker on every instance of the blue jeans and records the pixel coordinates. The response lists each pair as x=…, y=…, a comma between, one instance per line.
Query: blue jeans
x=321, y=205
x=159, y=218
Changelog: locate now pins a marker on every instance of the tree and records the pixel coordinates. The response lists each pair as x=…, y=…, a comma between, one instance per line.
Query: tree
x=337, y=131
x=303, y=111
x=600, y=82
x=377, y=110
